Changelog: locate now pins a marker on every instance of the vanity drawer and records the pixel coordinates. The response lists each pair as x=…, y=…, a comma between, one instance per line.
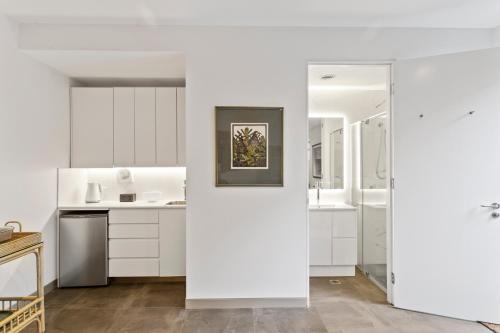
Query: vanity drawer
x=134, y=267
x=133, y=216
x=133, y=248
x=133, y=230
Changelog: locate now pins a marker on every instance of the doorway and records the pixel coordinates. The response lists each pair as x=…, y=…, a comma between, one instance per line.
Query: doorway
x=349, y=126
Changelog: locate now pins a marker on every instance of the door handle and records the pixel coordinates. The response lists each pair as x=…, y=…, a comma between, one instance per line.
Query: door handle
x=494, y=205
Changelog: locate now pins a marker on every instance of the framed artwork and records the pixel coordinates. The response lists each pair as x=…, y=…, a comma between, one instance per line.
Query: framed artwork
x=249, y=146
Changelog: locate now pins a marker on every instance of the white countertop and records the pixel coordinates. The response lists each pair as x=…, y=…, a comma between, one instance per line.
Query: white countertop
x=336, y=206
x=103, y=205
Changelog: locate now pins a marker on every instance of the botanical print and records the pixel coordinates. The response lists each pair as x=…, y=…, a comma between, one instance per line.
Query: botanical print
x=249, y=146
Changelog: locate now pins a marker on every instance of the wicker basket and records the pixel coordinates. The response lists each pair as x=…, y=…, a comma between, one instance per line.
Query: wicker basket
x=6, y=233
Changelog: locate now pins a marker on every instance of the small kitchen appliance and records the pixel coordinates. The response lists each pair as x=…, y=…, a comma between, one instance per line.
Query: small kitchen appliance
x=94, y=193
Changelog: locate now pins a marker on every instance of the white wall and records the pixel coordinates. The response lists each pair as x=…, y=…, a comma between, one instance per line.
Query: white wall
x=34, y=141
x=250, y=242
x=496, y=36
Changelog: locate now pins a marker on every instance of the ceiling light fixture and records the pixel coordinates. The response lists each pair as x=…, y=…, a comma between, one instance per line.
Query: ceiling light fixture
x=327, y=76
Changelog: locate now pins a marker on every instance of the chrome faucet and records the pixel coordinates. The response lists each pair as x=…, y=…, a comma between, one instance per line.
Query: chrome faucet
x=318, y=187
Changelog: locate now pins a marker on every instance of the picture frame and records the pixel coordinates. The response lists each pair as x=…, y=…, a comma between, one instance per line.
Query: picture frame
x=249, y=146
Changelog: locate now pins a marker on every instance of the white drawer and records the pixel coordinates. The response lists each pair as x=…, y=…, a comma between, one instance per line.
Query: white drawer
x=133, y=216
x=344, y=224
x=344, y=252
x=134, y=267
x=140, y=230
x=133, y=248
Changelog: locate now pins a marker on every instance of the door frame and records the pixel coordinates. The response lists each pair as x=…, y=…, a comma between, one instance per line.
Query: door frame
x=389, y=159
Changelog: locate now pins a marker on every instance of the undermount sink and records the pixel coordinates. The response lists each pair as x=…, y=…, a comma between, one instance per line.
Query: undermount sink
x=176, y=203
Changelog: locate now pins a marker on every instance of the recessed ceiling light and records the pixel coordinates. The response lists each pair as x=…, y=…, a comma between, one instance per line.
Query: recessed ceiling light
x=327, y=76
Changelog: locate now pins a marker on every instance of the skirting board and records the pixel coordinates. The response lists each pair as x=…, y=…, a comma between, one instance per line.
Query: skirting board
x=47, y=288
x=315, y=271
x=246, y=303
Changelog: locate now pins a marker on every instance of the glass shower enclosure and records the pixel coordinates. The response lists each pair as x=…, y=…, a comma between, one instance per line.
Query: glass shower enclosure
x=373, y=208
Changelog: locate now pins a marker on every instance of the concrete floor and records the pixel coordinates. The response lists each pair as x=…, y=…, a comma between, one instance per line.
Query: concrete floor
x=354, y=306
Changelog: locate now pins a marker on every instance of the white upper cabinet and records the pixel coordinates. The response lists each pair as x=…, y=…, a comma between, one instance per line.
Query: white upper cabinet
x=91, y=127
x=166, y=126
x=145, y=126
x=124, y=127
x=127, y=127
x=181, y=126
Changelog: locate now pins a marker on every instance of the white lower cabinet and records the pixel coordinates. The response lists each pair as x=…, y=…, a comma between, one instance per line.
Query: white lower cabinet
x=332, y=242
x=173, y=242
x=320, y=238
x=126, y=267
x=147, y=242
x=344, y=252
x=133, y=248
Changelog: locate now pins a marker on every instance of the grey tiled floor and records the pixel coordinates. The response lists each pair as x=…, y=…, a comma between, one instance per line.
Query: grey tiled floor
x=354, y=306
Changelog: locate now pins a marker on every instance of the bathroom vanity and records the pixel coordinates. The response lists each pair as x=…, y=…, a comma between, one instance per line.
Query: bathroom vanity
x=332, y=240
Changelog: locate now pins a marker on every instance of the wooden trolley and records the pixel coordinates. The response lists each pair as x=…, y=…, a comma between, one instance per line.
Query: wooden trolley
x=16, y=313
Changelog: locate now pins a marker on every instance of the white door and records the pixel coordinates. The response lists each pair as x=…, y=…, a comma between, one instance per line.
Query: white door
x=446, y=164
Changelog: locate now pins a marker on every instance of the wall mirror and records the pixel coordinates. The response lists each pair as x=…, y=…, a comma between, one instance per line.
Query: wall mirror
x=326, y=147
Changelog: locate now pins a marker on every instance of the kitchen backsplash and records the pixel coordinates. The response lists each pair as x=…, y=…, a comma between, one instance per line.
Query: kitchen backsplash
x=72, y=183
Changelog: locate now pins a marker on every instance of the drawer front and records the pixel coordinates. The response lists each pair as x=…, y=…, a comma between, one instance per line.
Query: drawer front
x=133, y=231
x=133, y=248
x=344, y=252
x=344, y=224
x=133, y=216
x=134, y=267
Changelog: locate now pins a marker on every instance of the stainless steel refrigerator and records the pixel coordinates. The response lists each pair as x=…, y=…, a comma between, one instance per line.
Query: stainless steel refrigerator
x=83, y=249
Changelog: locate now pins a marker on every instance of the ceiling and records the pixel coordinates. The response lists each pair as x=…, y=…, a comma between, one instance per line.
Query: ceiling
x=355, y=90
x=113, y=64
x=347, y=77
x=333, y=13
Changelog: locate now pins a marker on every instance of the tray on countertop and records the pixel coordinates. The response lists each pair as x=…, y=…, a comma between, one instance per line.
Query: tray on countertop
x=19, y=241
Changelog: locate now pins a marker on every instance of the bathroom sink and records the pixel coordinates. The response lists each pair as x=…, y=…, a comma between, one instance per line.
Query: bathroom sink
x=176, y=203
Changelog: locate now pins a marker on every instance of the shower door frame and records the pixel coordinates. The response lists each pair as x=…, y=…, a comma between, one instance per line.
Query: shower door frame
x=390, y=156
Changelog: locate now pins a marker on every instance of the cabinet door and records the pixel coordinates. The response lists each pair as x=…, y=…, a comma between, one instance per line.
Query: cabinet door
x=91, y=127
x=345, y=223
x=344, y=252
x=172, y=242
x=181, y=126
x=124, y=143
x=320, y=238
x=166, y=126
x=145, y=126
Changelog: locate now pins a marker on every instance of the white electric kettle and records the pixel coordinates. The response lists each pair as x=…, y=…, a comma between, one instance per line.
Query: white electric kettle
x=94, y=193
